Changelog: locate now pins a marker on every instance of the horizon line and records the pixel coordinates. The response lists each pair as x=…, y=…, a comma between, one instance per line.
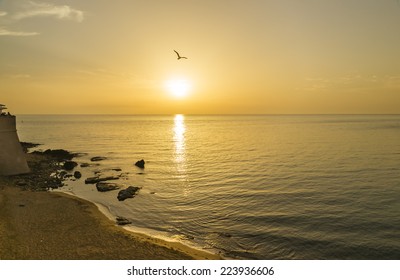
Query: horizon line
x=212, y=114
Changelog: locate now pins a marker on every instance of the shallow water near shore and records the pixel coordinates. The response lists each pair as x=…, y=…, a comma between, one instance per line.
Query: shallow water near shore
x=250, y=187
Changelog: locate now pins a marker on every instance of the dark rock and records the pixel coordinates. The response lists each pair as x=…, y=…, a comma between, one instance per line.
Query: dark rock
x=121, y=221
x=59, y=154
x=61, y=174
x=117, y=169
x=140, y=163
x=85, y=164
x=129, y=192
x=46, y=170
x=27, y=145
x=69, y=165
x=105, y=187
x=21, y=183
x=77, y=174
x=97, y=158
x=94, y=180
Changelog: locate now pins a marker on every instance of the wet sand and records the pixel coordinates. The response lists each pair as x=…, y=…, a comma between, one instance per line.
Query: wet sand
x=44, y=225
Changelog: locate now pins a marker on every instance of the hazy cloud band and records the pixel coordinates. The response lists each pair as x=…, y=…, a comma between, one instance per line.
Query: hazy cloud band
x=35, y=9
x=5, y=32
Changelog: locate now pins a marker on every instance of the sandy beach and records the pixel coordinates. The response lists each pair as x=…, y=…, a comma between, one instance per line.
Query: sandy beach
x=51, y=225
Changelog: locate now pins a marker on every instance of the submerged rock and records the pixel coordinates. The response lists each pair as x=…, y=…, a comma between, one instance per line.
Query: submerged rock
x=94, y=180
x=140, y=163
x=129, y=192
x=97, y=158
x=105, y=187
x=121, y=221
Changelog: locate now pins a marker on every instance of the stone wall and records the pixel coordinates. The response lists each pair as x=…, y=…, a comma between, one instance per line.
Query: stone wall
x=12, y=157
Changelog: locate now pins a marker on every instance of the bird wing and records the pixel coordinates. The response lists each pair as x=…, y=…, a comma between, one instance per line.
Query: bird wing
x=177, y=53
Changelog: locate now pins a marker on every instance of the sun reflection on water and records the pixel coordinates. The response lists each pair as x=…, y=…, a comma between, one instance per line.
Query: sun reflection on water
x=180, y=154
x=179, y=140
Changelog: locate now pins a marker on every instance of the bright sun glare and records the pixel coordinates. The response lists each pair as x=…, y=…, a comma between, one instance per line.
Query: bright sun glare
x=179, y=88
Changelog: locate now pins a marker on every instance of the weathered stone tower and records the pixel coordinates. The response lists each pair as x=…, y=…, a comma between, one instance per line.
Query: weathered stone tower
x=12, y=157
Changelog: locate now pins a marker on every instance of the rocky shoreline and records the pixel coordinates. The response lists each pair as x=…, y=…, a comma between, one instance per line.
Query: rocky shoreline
x=50, y=168
x=37, y=224
x=44, y=166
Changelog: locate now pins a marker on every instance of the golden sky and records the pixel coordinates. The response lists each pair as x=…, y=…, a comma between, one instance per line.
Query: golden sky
x=244, y=57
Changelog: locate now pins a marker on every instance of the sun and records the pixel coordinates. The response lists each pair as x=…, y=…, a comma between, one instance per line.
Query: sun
x=179, y=88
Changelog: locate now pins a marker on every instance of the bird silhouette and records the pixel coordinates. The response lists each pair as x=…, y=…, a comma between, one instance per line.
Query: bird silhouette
x=179, y=57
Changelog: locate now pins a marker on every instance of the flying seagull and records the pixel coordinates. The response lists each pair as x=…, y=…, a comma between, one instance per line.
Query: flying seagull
x=179, y=57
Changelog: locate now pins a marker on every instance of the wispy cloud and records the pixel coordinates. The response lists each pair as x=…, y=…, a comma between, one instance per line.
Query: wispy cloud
x=5, y=32
x=36, y=9
x=31, y=9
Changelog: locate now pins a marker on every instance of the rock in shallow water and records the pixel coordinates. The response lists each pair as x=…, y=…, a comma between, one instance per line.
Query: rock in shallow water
x=59, y=154
x=97, y=158
x=140, y=163
x=77, y=174
x=129, y=192
x=69, y=165
x=121, y=221
x=105, y=187
x=94, y=180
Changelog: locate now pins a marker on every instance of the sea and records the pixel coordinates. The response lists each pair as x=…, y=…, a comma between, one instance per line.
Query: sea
x=244, y=186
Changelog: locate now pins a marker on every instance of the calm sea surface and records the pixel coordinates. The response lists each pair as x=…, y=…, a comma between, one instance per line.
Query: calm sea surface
x=252, y=187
